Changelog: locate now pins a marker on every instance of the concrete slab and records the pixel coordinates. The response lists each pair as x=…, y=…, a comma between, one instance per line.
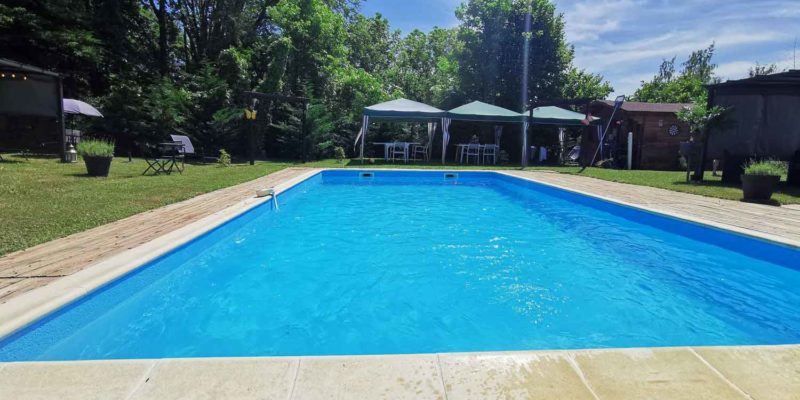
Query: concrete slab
x=766, y=372
x=379, y=377
x=220, y=378
x=652, y=374
x=82, y=380
x=536, y=375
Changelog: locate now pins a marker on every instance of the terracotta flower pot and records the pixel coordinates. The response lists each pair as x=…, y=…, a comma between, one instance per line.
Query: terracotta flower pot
x=759, y=187
x=97, y=166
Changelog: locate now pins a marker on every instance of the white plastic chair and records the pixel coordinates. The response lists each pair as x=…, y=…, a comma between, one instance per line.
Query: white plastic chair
x=473, y=150
x=399, y=148
x=490, y=152
x=419, y=149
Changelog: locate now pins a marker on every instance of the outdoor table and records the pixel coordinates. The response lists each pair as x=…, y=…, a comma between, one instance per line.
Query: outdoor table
x=170, y=153
x=388, y=145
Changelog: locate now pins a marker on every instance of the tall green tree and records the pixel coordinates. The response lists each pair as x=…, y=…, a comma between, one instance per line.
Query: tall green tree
x=491, y=63
x=688, y=86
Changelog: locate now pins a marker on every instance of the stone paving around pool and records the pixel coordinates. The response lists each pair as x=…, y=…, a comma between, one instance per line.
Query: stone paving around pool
x=724, y=373
x=743, y=372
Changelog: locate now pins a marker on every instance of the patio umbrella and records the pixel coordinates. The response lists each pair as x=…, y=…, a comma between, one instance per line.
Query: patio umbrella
x=72, y=106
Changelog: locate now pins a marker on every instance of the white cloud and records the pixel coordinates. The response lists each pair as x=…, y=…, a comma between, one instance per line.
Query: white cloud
x=587, y=20
x=625, y=40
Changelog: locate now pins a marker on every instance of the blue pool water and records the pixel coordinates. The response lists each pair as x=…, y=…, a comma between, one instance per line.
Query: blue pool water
x=411, y=262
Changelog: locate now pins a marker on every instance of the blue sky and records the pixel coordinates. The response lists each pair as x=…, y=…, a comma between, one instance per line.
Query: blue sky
x=625, y=40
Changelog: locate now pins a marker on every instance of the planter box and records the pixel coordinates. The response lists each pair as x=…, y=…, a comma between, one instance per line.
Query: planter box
x=759, y=187
x=97, y=166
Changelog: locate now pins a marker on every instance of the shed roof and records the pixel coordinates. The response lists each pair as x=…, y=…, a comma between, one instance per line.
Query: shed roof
x=638, y=106
x=11, y=65
x=788, y=78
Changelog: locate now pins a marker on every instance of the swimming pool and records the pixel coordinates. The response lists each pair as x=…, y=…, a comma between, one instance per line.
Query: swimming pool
x=418, y=262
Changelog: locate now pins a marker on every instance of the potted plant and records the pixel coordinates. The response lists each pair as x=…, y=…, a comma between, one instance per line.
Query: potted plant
x=97, y=155
x=760, y=177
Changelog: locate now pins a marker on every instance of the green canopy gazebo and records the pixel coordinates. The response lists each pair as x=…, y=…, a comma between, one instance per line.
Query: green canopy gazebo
x=482, y=112
x=399, y=110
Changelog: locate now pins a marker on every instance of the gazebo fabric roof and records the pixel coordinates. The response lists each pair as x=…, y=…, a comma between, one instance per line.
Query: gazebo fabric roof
x=552, y=115
x=480, y=111
x=403, y=109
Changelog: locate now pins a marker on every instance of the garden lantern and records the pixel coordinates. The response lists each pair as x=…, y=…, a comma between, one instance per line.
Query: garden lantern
x=71, y=156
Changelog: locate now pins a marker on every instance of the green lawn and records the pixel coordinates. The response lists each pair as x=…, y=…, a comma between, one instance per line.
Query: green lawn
x=676, y=180
x=42, y=199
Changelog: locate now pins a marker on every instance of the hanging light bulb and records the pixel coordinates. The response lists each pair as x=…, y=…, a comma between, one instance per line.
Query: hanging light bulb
x=25, y=78
x=2, y=75
x=13, y=75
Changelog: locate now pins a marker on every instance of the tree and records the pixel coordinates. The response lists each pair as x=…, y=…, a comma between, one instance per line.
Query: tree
x=701, y=119
x=579, y=84
x=162, y=66
x=686, y=87
x=491, y=62
x=768, y=69
x=371, y=43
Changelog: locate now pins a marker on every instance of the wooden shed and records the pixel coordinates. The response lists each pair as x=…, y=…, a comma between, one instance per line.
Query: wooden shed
x=657, y=133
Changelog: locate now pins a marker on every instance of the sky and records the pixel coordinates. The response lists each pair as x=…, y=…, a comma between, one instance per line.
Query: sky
x=625, y=40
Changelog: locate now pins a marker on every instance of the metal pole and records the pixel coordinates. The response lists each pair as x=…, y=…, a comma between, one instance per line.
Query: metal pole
x=303, y=131
x=630, y=150
x=617, y=104
x=60, y=121
x=525, y=66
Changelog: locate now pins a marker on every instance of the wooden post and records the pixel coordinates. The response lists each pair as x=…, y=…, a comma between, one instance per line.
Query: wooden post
x=60, y=121
x=303, y=131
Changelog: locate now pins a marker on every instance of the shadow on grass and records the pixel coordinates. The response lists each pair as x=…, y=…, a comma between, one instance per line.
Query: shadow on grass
x=782, y=189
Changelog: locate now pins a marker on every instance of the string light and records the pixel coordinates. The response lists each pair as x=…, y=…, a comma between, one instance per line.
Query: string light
x=24, y=77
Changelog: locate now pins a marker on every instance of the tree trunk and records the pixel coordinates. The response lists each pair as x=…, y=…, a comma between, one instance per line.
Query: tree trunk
x=700, y=168
x=163, y=35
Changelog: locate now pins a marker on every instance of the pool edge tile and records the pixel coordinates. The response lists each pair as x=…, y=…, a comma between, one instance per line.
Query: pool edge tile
x=369, y=377
x=763, y=372
x=652, y=374
x=82, y=380
x=523, y=375
x=239, y=378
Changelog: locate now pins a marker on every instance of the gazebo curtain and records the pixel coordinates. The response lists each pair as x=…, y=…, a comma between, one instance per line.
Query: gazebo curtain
x=445, y=136
x=525, y=125
x=362, y=132
x=431, y=134
x=498, y=131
